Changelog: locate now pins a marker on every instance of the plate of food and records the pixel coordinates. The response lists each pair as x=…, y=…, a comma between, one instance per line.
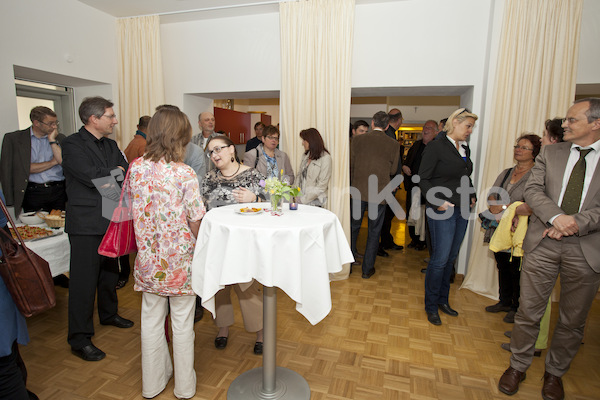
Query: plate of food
x=30, y=233
x=248, y=210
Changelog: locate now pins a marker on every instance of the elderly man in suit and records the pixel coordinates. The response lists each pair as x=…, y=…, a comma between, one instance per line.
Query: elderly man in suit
x=88, y=155
x=372, y=154
x=562, y=239
x=32, y=177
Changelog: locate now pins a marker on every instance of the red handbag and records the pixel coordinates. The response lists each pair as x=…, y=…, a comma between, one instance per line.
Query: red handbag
x=119, y=238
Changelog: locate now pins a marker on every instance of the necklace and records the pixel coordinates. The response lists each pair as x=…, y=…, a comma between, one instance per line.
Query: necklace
x=229, y=176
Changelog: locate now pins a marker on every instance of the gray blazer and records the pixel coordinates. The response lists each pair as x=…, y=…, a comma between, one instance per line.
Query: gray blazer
x=15, y=166
x=283, y=162
x=542, y=193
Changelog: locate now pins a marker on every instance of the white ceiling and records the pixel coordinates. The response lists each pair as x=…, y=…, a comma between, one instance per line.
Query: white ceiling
x=180, y=10
x=186, y=10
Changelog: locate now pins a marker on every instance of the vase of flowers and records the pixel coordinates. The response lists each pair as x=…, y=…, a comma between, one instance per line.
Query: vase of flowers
x=279, y=189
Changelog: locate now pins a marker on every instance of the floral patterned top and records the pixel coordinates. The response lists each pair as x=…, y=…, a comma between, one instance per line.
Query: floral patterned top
x=217, y=190
x=164, y=197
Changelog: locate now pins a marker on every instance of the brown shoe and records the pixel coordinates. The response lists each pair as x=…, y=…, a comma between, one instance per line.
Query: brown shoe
x=509, y=382
x=553, y=387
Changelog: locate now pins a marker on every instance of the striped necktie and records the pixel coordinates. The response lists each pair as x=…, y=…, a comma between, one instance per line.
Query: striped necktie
x=572, y=197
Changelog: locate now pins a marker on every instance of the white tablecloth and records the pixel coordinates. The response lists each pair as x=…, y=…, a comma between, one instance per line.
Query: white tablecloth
x=55, y=250
x=294, y=252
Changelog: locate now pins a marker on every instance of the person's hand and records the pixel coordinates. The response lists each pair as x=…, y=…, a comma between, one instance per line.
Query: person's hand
x=52, y=135
x=406, y=170
x=552, y=233
x=243, y=195
x=515, y=223
x=565, y=225
x=445, y=206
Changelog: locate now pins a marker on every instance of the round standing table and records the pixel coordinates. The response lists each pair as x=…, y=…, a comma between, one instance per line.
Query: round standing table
x=295, y=252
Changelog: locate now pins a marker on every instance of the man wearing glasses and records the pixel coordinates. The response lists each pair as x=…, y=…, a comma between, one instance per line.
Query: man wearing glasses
x=32, y=175
x=89, y=155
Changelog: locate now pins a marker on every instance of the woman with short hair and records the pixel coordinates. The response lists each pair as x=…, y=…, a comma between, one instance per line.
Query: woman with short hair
x=229, y=183
x=267, y=159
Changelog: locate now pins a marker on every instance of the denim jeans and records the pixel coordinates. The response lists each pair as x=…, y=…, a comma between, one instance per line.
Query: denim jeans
x=373, y=231
x=446, y=237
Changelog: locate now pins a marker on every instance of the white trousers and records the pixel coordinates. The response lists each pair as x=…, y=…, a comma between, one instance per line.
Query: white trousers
x=157, y=368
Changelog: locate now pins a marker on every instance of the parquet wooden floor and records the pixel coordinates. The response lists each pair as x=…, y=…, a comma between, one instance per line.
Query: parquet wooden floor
x=375, y=344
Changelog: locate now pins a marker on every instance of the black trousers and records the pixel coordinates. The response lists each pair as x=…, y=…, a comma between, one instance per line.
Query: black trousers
x=509, y=277
x=13, y=376
x=45, y=198
x=91, y=273
x=387, y=240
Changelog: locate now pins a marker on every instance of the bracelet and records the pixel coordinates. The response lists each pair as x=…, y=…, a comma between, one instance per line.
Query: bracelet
x=54, y=143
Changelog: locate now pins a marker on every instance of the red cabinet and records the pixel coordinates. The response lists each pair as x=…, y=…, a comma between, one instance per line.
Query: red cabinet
x=235, y=124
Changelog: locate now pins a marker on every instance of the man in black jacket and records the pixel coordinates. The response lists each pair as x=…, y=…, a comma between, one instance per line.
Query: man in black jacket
x=88, y=155
x=410, y=168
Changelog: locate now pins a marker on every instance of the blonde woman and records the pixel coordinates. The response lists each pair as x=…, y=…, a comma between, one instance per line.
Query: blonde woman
x=446, y=165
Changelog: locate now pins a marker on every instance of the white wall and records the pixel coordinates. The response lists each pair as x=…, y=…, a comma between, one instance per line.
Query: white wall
x=39, y=34
x=588, y=70
x=238, y=54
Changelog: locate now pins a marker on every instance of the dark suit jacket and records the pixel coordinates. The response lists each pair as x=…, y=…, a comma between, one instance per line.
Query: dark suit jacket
x=15, y=166
x=373, y=153
x=542, y=192
x=82, y=162
x=442, y=166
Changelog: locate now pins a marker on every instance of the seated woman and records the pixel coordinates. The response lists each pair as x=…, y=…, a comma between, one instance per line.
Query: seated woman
x=268, y=159
x=315, y=169
x=231, y=182
x=166, y=210
x=513, y=181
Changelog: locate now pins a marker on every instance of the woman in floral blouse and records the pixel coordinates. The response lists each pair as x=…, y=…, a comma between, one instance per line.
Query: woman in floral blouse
x=232, y=182
x=167, y=210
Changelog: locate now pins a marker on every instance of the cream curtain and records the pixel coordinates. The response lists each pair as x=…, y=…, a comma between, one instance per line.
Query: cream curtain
x=316, y=56
x=535, y=80
x=141, y=86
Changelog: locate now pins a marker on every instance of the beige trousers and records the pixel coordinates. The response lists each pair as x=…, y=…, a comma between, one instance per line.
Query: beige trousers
x=579, y=285
x=157, y=368
x=251, y=304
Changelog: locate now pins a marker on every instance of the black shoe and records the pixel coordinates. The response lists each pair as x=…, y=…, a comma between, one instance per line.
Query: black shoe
x=368, y=274
x=355, y=263
x=393, y=246
x=119, y=322
x=508, y=334
x=434, y=318
x=420, y=246
x=446, y=309
x=61, y=280
x=510, y=317
x=381, y=252
x=221, y=342
x=258, y=348
x=411, y=245
x=497, y=308
x=121, y=283
x=423, y=270
x=198, y=314
x=32, y=396
x=89, y=353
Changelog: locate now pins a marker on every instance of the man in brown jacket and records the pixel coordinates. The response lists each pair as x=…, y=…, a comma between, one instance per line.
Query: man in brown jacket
x=373, y=158
x=137, y=146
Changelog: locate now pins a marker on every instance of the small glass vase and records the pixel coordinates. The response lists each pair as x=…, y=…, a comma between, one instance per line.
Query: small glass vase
x=276, y=203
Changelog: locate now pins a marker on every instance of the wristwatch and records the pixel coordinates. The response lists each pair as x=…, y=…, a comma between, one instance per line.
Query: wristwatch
x=56, y=143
